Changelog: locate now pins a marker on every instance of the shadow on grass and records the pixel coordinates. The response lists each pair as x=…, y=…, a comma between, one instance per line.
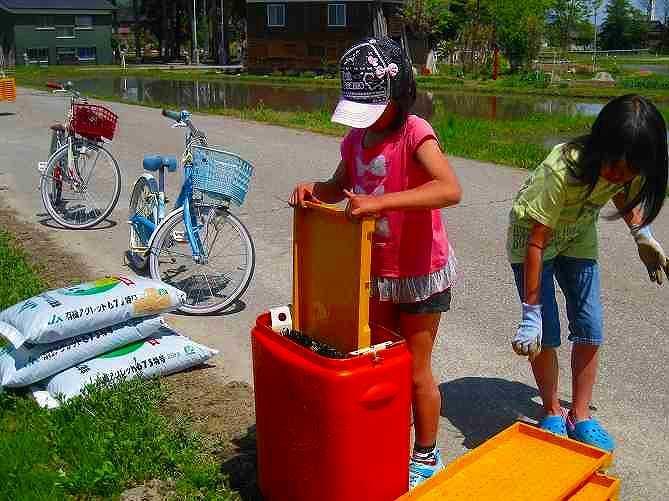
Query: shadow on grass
x=241, y=468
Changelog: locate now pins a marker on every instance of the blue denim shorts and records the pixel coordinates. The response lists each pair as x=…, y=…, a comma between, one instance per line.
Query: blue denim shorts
x=579, y=281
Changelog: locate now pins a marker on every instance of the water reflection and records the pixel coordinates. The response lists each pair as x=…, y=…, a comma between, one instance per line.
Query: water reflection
x=201, y=95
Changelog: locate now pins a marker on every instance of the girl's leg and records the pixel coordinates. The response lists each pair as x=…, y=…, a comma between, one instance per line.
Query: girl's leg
x=545, y=365
x=579, y=280
x=420, y=331
x=546, y=373
x=584, y=362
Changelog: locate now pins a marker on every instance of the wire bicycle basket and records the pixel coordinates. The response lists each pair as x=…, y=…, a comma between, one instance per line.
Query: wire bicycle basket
x=220, y=175
x=93, y=121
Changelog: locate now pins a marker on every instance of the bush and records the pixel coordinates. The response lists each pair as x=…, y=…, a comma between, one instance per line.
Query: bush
x=649, y=82
x=535, y=79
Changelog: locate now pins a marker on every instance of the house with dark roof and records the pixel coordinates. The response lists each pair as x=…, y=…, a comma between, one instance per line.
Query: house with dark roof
x=296, y=35
x=56, y=31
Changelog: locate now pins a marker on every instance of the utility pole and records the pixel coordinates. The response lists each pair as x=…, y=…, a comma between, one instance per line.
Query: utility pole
x=594, y=54
x=196, y=55
x=223, y=50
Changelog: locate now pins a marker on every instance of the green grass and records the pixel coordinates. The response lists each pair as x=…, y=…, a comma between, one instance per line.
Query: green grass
x=93, y=447
x=509, y=142
x=97, y=446
x=18, y=280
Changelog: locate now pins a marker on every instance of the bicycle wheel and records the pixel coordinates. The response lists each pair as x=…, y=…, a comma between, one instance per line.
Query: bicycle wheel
x=81, y=192
x=143, y=202
x=230, y=259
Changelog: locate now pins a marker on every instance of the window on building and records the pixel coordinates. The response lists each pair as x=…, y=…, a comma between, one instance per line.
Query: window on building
x=276, y=14
x=336, y=14
x=66, y=55
x=86, y=54
x=45, y=23
x=37, y=55
x=64, y=31
x=83, y=22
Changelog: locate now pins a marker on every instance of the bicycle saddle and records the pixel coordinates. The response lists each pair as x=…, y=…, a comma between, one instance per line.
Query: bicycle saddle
x=154, y=162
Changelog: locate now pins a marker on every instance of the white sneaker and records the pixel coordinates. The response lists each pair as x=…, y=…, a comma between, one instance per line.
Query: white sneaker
x=424, y=466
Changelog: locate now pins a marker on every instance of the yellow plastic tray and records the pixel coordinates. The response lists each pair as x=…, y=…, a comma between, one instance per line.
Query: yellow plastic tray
x=522, y=463
x=331, y=273
x=599, y=487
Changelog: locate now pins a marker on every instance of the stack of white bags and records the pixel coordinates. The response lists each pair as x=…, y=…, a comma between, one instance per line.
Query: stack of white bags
x=109, y=330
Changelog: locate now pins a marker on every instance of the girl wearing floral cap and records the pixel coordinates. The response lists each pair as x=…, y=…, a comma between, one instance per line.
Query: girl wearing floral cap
x=392, y=168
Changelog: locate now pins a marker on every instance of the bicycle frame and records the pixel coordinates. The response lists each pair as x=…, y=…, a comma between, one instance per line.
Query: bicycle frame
x=184, y=199
x=61, y=136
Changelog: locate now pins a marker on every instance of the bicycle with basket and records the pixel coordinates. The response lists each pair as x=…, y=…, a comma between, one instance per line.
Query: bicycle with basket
x=80, y=183
x=199, y=246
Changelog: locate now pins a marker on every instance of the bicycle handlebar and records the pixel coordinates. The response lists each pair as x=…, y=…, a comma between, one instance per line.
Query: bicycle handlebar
x=183, y=117
x=173, y=115
x=66, y=87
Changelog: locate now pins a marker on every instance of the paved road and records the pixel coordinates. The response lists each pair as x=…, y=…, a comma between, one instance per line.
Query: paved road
x=486, y=386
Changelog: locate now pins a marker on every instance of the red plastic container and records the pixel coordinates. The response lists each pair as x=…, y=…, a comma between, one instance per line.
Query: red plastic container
x=331, y=429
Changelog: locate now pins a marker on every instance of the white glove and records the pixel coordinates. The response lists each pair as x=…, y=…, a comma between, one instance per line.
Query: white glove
x=528, y=338
x=651, y=253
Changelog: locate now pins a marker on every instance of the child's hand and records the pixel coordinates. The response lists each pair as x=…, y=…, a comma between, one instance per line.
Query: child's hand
x=362, y=205
x=651, y=254
x=528, y=338
x=303, y=192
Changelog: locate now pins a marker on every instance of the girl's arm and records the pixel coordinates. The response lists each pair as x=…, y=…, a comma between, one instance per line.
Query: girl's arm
x=537, y=241
x=632, y=218
x=528, y=337
x=442, y=191
x=650, y=251
x=329, y=192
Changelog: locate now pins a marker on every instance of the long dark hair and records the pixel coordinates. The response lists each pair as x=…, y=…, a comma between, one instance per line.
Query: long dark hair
x=628, y=128
x=404, y=94
x=404, y=104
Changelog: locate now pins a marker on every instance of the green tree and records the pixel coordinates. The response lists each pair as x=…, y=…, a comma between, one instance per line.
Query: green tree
x=477, y=26
x=584, y=33
x=474, y=32
x=430, y=19
x=566, y=22
x=519, y=28
x=625, y=27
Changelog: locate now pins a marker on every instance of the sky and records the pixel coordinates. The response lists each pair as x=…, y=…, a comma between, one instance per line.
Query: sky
x=637, y=3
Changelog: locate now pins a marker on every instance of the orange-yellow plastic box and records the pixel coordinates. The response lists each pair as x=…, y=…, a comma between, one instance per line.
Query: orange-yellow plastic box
x=599, y=487
x=522, y=463
x=331, y=274
x=7, y=89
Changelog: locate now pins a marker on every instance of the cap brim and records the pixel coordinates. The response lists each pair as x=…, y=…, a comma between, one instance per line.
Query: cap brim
x=357, y=115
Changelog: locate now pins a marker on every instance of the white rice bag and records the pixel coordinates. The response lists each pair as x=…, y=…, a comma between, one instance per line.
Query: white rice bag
x=31, y=363
x=164, y=353
x=63, y=313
